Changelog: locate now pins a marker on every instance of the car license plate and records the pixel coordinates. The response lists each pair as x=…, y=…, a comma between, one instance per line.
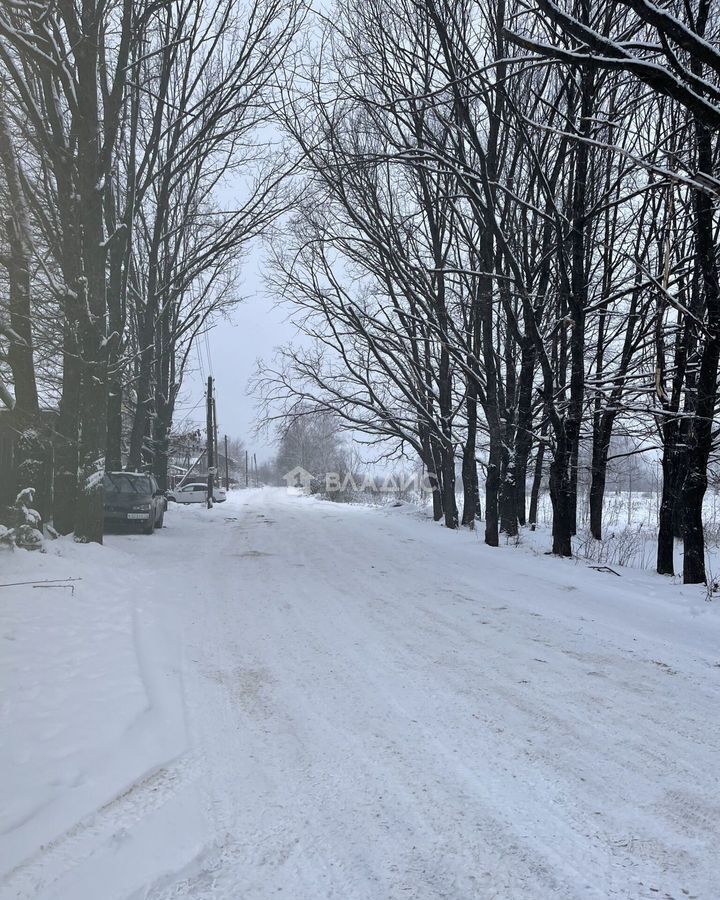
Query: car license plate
x=137, y=515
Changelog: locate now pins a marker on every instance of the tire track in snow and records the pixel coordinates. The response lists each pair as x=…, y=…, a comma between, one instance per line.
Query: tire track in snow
x=363, y=738
x=96, y=830
x=540, y=717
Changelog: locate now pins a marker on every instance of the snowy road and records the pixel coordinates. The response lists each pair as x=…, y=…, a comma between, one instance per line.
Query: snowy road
x=312, y=701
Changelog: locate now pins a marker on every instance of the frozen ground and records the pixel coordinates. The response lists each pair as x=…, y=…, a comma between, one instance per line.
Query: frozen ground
x=284, y=697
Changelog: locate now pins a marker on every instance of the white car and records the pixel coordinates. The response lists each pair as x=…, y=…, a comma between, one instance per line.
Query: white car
x=196, y=492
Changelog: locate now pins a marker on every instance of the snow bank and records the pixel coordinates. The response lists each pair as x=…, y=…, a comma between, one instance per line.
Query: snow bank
x=84, y=711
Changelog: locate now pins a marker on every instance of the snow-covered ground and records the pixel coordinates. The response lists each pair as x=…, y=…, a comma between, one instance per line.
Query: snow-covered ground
x=289, y=697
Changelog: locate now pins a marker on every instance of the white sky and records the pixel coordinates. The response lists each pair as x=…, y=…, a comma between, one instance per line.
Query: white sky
x=255, y=329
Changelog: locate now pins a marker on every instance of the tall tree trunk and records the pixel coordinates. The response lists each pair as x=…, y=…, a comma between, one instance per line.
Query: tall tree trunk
x=492, y=489
x=161, y=443
x=670, y=465
x=118, y=264
x=113, y=453
x=598, y=478
x=143, y=394
x=561, y=498
x=66, y=444
x=162, y=427
x=430, y=457
x=115, y=385
x=144, y=402
x=701, y=426
x=92, y=289
x=521, y=483
x=523, y=441
x=577, y=306
x=469, y=465
x=508, y=402
x=120, y=261
x=450, y=510
x=32, y=445
x=20, y=344
x=574, y=476
x=537, y=479
x=508, y=494
x=484, y=312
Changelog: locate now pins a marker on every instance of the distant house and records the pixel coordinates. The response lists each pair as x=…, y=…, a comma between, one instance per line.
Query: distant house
x=187, y=462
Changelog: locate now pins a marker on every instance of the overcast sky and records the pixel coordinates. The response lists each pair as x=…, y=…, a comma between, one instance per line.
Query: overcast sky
x=255, y=329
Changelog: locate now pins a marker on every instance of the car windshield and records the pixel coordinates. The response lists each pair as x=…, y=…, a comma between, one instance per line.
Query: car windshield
x=126, y=483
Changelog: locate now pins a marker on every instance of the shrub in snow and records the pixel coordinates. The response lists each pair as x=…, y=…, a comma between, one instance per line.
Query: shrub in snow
x=31, y=450
x=634, y=547
x=27, y=531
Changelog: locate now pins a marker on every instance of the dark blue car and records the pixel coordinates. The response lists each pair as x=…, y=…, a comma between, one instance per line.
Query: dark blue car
x=132, y=499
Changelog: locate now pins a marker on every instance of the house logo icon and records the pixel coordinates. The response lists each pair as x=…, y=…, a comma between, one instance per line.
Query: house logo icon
x=298, y=478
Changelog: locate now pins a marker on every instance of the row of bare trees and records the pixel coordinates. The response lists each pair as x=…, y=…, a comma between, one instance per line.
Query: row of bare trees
x=505, y=255
x=134, y=171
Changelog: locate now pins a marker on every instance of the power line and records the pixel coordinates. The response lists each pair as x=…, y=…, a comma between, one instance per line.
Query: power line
x=207, y=351
x=192, y=409
x=198, y=355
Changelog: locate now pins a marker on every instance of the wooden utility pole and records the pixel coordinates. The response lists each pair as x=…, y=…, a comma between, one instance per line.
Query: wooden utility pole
x=216, y=477
x=227, y=471
x=210, y=440
x=255, y=467
x=246, y=469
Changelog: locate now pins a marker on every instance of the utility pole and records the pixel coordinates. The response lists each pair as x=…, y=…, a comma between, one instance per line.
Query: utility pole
x=216, y=478
x=227, y=471
x=255, y=467
x=246, y=469
x=210, y=437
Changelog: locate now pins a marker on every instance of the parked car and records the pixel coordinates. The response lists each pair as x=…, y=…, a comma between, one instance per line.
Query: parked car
x=133, y=499
x=196, y=492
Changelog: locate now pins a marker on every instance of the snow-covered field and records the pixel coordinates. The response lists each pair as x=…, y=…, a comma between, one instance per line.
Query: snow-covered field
x=284, y=697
